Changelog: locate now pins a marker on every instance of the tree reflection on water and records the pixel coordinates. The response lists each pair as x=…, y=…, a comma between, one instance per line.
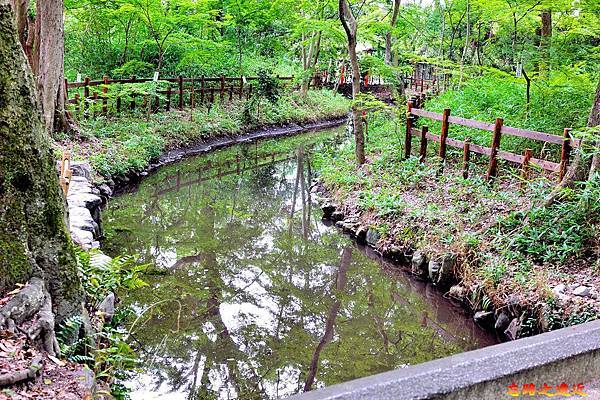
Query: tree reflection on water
x=254, y=297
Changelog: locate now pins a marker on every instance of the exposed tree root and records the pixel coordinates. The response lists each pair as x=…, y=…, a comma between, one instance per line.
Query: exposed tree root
x=24, y=305
x=32, y=302
x=22, y=374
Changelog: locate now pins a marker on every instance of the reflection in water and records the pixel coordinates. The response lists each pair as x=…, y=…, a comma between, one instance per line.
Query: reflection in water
x=252, y=296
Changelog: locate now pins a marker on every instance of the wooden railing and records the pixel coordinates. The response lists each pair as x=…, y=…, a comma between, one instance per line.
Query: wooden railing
x=420, y=85
x=91, y=97
x=498, y=128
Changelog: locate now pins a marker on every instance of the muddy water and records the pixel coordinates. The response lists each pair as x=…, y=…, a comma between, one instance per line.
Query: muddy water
x=251, y=296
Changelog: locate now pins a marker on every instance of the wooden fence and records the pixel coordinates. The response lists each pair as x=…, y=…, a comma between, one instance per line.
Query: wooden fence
x=93, y=96
x=498, y=128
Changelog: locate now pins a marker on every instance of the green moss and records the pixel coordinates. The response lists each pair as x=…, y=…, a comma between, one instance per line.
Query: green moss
x=14, y=264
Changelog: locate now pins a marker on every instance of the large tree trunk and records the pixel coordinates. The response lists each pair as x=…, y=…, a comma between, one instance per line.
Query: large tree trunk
x=350, y=26
x=49, y=63
x=594, y=120
x=545, y=39
x=34, y=240
x=388, y=35
x=581, y=169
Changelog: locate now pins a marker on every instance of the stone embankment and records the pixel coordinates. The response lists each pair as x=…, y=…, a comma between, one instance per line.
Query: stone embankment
x=84, y=201
x=443, y=270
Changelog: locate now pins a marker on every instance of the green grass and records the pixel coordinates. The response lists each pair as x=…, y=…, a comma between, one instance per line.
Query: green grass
x=116, y=146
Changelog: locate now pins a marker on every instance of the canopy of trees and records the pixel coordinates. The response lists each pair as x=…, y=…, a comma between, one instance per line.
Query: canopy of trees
x=207, y=37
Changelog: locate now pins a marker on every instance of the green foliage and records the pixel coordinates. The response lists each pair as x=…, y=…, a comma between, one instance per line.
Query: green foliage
x=105, y=350
x=268, y=86
x=555, y=234
x=102, y=275
x=119, y=146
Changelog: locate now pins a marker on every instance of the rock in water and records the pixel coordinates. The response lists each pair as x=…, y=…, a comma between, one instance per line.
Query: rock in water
x=512, y=331
x=441, y=271
x=502, y=322
x=372, y=236
x=484, y=318
x=419, y=264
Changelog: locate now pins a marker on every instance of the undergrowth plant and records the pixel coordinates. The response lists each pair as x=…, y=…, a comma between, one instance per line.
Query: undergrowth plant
x=103, y=345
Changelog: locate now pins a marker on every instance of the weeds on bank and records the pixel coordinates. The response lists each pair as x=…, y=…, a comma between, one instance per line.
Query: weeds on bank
x=116, y=146
x=105, y=349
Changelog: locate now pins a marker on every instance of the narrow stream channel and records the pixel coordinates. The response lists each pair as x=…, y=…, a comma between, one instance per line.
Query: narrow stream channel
x=252, y=296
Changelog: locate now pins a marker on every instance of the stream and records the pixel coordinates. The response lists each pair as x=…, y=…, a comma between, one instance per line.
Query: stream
x=252, y=296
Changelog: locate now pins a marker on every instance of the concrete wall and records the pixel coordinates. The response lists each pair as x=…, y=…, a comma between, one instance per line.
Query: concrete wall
x=570, y=355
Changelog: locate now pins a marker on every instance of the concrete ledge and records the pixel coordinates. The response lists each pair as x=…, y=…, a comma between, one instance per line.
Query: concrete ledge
x=570, y=355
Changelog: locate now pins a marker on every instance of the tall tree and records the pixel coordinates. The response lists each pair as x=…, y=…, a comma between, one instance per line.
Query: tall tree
x=48, y=62
x=388, y=35
x=351, y=27
x=581, y=168
x=34, y=239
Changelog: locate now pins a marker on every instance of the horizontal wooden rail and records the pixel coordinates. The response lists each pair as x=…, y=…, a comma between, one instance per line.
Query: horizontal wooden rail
x=74, y=85
x=94, y=97
x=487, y=151
x=505, y=130
x=499, y=129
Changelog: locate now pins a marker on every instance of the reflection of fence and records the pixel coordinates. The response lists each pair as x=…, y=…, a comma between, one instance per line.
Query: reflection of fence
x=95, y=97
x=492, y=152
x=175, y=182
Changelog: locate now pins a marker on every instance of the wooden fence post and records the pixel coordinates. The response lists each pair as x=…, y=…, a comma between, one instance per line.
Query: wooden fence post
x=202, y=90
x=180, y=82
x=492, y=171
x=77, y=105
x=231, y=93
x=132, y=105
x=104, y=95
x=366, y=124
x=222, y=88
x=444, y=133
x=466, y=157
x=565, y=154
x=409, y=125
x=423, y=149
x=241, y=87
x=525, y=166
x=86, y=94
x=192, y=95
x=168, y=105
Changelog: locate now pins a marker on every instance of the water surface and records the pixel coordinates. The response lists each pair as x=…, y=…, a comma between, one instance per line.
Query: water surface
x=252, y=296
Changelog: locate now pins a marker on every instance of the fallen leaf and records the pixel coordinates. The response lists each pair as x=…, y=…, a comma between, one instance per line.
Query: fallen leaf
x=57, y=361
x=47, y=381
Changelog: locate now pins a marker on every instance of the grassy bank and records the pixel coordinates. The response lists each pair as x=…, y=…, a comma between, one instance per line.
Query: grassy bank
x=538, y=264
x=128, y=143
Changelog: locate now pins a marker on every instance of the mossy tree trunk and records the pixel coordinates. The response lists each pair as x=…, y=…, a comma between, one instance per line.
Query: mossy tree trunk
x=43, y=43
x=34, y=239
